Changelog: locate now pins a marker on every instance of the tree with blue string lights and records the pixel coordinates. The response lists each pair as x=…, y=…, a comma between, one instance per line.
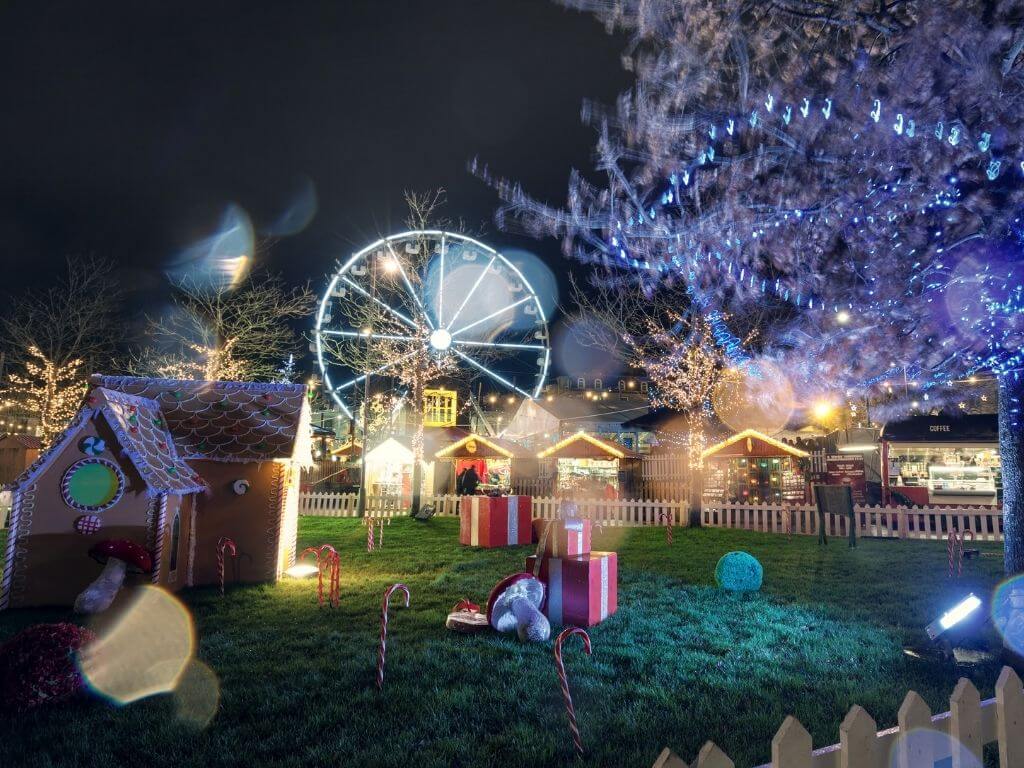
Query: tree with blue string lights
x=851, y=172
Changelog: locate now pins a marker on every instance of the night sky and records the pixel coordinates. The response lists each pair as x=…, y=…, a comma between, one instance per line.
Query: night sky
x=130, y=127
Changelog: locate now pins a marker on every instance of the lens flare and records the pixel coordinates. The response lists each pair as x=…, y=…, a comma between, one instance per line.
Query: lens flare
x=221, y=259
x=1008, y=612
x=757, y=395
x=144, y=652
x=587, y=349
x=197, y=695
x=927, y=747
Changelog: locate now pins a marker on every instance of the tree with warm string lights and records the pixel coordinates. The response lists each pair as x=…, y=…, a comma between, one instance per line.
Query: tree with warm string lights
x=852, y=170
x=50, y=391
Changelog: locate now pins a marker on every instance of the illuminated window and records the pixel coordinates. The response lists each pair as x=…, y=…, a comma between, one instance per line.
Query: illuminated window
x=598, y=384
x=92, y=485
x=439, y=407
x=643, y=387
x=581, y=383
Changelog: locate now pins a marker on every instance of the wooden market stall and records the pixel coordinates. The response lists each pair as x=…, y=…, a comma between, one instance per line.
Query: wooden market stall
x=589, y=467
x=751, y=467
x=495, y=461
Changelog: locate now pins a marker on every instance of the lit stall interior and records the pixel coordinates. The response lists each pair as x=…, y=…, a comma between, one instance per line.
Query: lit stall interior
x=753, y=468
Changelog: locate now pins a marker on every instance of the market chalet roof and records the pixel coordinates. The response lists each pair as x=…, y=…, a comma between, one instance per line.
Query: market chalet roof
x=25, y=441
x=584, y=446
x=163, y=423
x=746, y=442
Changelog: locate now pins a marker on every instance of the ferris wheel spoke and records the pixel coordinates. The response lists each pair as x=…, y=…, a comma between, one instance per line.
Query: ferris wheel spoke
x=471, y=292
x=504, y=309
x=381, y=369
x=497, y=377
x=498, y=345
x=360, y=335
x=367, y=294
x=408, y=285
x=440, y=288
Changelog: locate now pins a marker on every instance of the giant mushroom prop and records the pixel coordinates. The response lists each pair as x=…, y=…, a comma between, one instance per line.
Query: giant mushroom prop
x=117, y=556
x=515, y=605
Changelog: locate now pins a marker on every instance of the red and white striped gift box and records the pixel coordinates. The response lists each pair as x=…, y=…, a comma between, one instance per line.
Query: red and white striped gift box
x=581, y=591
x=489, y=521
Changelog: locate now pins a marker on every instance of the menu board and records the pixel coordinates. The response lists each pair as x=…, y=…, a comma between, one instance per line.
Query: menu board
x=847, y=469
x=792, y=486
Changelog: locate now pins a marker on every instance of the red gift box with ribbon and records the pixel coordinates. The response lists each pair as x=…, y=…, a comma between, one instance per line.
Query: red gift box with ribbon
x=581, y=591
x=495, y=521
x=565, y=538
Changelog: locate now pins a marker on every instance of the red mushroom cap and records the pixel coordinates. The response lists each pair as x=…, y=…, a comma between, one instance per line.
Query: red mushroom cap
x=134, y=555
x=498, y=592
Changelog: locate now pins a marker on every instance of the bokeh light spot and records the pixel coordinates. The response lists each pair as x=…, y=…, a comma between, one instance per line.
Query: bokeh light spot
x=197, y=695
x=1008, y=612
x=143, y=652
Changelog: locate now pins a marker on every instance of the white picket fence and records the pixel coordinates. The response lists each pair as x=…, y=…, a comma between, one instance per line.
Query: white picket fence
x=986, y=523
x=619, y=512
x=919, y=740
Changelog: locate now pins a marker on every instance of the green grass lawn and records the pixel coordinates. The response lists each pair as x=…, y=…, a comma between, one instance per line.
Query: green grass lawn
x=681, y=662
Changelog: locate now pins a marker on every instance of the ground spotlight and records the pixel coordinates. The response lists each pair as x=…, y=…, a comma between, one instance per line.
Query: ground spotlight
x=955, y=615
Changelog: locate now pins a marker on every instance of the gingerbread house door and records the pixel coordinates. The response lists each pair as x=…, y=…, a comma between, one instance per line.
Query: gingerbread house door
x=180, y=549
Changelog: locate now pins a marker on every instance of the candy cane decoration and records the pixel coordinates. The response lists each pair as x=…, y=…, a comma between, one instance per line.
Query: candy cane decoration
x=319, y=572
x=668, y=529
x=950, y=549
x=369, y=535
x=380, y=532
x=960, y=562
x=332, y=561
x=224, y=543
x=569, y=708
x=384, y=628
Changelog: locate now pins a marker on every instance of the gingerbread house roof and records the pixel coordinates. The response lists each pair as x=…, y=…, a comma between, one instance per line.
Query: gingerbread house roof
x=227, y=420
x=142, y=432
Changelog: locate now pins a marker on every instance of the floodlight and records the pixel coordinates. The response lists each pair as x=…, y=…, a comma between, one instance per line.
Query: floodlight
x=953, y=616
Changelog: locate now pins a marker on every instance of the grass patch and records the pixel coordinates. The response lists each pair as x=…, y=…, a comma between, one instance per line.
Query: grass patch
x=680, y=663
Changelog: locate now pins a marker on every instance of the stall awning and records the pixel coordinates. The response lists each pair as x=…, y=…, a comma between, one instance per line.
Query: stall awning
x=972, y=428
x=749, y=443
x=474, y=446
x=584, y=446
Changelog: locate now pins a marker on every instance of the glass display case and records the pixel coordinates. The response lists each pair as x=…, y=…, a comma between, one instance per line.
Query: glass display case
x=967, y=481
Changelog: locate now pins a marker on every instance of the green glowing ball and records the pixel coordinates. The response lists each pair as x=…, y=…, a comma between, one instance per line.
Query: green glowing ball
x=739, y=572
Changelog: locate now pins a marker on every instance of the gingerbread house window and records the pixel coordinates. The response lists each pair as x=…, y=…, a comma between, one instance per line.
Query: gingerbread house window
x=92, y=485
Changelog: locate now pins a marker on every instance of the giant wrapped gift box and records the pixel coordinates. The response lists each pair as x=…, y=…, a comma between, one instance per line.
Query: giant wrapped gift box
x=565, y=538
x=581, y=591
x=495, y=521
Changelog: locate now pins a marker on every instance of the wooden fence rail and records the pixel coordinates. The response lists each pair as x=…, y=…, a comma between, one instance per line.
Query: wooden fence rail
x=619, y=512
x=919, y=740
x=986, y=523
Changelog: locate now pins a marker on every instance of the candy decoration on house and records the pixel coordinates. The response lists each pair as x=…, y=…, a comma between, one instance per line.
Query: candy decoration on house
x=224, y=543
x=739, y=572
x=37, y=666
x=118, y=557
x=667, y=517
x=240, y=487
x=563, y=682
x=88, y=524
x=385, y=604
x=514, y=604
x=138, y=459
x=466, y=617
x=92, y=445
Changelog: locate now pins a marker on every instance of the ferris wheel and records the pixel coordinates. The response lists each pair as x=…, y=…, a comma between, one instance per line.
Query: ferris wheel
x=434, y=291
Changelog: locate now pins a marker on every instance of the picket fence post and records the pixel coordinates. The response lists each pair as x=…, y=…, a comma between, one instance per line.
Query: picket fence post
x=791, y=745
x=965, y=724
x=1010, y=719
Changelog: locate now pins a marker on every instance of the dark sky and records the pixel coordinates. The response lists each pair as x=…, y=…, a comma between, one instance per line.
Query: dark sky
x=129, y=126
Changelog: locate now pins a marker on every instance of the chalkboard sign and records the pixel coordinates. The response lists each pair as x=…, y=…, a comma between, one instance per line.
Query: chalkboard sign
x=835, y=500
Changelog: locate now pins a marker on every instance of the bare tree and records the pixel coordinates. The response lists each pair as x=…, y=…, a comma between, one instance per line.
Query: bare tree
x=225, y=332
x=54, y=338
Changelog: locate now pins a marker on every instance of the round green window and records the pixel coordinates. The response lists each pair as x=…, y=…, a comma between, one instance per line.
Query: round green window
x=92, y=485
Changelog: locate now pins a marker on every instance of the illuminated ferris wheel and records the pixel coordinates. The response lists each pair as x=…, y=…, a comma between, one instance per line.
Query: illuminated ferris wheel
x=437, y=291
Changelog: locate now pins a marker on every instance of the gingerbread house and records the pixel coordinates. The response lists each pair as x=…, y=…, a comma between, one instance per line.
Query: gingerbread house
x=172, y=466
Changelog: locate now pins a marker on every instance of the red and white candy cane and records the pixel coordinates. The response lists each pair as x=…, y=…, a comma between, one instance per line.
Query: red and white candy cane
x=328, y=558
x=569, y=708
x=380, y=532
x=667, y=516
x=384, y=627
x=369, y=535
x=960, y=560
x=224, y=543
x=955, y=550
x=319, y=572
